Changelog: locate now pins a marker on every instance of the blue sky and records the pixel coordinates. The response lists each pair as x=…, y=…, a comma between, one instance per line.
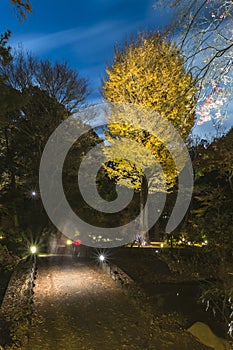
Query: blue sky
x=84, y=33
x=81, y=32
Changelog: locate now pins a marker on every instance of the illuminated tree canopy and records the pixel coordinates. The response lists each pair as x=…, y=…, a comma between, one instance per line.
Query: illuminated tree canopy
x=148, y=73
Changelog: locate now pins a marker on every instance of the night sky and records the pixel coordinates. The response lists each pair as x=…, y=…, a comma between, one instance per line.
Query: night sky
x=83, y=33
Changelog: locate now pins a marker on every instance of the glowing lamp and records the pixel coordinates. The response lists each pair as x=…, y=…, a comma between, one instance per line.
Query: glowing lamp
x=33, y=249
x=101, y=258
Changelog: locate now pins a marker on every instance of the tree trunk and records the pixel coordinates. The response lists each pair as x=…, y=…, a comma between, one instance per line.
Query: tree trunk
x=144, y=216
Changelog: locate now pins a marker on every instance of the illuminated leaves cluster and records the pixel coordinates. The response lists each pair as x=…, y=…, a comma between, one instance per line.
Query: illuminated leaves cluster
x=148, y=74
x=138, y=139
x=205, y=35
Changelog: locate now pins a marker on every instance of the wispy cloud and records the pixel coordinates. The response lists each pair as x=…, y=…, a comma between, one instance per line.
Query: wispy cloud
x=97, y=35
x=89, y=49
x=89, y=46
x=40, y=43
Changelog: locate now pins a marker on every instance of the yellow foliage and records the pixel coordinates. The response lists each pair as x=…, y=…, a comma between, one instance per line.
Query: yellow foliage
x=149, y=73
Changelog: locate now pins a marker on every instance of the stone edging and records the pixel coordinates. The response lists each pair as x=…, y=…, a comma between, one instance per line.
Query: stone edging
x=16, y=307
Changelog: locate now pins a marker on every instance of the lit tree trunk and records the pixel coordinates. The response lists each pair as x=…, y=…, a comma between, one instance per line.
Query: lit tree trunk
x=144, y=214
x=141, y=214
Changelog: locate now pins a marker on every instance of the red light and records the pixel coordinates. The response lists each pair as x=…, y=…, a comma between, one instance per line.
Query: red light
x=77, y=242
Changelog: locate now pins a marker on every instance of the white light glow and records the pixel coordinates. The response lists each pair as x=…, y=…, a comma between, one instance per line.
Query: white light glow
x=102, y=257
x=33, y=249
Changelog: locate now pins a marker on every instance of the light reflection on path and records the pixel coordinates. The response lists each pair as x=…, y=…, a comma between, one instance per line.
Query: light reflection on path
x=79, y=307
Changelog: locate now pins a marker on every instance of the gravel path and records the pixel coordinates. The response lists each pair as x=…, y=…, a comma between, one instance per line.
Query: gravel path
x=79, y=307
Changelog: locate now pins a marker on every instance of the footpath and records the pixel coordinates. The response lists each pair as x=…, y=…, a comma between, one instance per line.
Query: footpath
x=79, y=307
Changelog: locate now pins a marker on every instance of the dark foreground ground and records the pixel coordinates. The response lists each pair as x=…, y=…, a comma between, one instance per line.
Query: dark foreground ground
x=77, y=306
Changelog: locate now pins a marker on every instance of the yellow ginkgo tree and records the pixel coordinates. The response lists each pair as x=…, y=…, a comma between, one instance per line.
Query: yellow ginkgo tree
x=152, y=103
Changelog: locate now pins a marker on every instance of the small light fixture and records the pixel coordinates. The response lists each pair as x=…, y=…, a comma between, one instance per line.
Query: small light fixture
x=33, y=249
x=101, y=257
